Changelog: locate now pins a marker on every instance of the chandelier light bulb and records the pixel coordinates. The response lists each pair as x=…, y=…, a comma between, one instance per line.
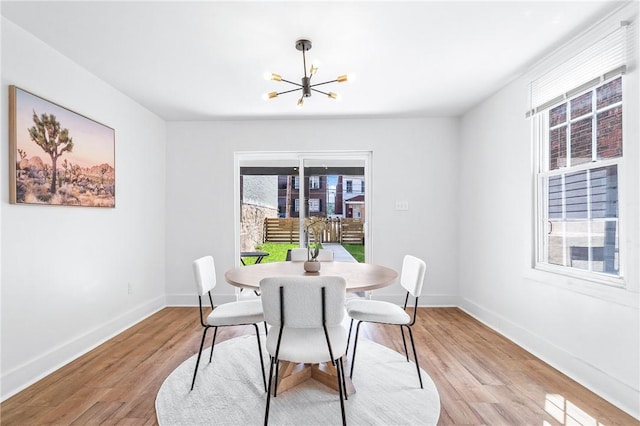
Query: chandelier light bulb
x=314, y=67
x=270, y=95
x=272, y=76
x=300, y=102
x=342, y=78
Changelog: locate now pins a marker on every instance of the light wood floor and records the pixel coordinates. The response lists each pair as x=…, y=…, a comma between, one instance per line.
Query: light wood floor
x=482, y=377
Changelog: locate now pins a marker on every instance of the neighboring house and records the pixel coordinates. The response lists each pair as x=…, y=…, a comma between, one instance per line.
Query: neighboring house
x=289, y=195
x=350, y=196
x=346, y=200
x=354, y=207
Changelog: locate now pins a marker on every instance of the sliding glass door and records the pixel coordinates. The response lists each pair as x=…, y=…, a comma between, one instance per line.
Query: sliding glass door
x=277, y=191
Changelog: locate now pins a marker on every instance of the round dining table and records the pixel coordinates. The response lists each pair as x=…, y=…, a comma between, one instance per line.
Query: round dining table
x=358, y=277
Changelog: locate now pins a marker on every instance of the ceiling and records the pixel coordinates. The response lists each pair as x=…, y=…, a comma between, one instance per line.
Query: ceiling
x=205, y=60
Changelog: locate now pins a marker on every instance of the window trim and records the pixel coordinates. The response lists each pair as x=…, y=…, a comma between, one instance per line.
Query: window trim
x=314, y=182
x=540, y=133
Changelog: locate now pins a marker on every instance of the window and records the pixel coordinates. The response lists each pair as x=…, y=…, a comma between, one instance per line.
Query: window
x=349, y=186
x=578, y=131
x=296, y=183
x=314, y=205
x=314, y=182
x=578, y=181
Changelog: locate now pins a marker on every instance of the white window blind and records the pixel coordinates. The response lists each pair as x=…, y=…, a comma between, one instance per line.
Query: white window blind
x=597, y=63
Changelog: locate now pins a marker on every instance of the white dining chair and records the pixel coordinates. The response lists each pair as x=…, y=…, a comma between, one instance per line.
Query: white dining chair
x=306, y=315
x=245, y=312
x=300, y=255
x=376, y=311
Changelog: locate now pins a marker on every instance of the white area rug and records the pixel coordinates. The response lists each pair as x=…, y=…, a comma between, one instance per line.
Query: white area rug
x=229, y=391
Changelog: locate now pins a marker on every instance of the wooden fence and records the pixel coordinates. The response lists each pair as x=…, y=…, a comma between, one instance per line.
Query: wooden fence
x=337, y=230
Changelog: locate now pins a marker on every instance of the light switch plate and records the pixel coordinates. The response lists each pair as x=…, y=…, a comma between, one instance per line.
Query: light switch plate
x=402, y=205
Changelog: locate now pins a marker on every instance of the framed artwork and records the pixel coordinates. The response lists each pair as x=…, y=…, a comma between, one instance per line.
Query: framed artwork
x=58, y=157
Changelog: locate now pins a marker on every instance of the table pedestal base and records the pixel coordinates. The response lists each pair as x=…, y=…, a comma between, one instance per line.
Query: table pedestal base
x=292, y=374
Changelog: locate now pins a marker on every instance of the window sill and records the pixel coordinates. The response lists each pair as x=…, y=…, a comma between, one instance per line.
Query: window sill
x=607, y=289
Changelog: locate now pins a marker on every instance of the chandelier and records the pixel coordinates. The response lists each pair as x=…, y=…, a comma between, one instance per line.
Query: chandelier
x=306, y=87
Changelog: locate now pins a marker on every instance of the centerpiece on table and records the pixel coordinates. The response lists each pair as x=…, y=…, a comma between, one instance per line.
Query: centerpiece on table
x=314, y=227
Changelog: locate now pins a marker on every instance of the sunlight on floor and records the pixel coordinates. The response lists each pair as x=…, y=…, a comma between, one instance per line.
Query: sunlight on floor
x=566, y=413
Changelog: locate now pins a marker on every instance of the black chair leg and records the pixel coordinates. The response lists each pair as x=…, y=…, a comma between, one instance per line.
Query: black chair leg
x=344, y=382
x=266, y=412
x=195, y=372
x=349, y=337
x=404, y=342
x=339, y=377
x=415, y=355
x=264, y=379
x=275, y=388
x=213, y=342
x=266, y=332
x=355, y=345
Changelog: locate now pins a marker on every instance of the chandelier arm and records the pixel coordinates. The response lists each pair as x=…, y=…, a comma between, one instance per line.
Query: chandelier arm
x=319, y=84
x=319, y=91
x=291, y=82
x=289, y=91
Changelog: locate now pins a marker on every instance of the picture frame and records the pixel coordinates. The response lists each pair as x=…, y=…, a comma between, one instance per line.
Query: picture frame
x=57, y=156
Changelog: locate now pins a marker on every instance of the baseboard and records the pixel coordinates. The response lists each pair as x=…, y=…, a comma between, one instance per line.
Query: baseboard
x=30, y=372
x=613, y=390
x=179, y=300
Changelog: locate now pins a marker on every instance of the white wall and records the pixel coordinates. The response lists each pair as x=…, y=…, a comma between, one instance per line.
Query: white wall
x=413, y=160
x=65, y=270
x=589, y=331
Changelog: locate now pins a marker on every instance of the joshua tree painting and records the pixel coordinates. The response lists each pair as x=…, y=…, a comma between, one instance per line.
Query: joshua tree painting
x=58, y=157
x=53, y=140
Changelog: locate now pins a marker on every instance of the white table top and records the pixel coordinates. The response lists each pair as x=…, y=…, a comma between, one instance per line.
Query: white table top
x=359, y=276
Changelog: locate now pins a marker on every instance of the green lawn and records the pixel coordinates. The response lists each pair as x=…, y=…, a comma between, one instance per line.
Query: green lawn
x=278, y=252
x=356, y=250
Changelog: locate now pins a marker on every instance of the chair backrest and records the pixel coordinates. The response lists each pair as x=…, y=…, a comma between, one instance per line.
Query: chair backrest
x=204, y=271
x=302, y=300
x=300, y=254
x=325, y=255
x=412, y=275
